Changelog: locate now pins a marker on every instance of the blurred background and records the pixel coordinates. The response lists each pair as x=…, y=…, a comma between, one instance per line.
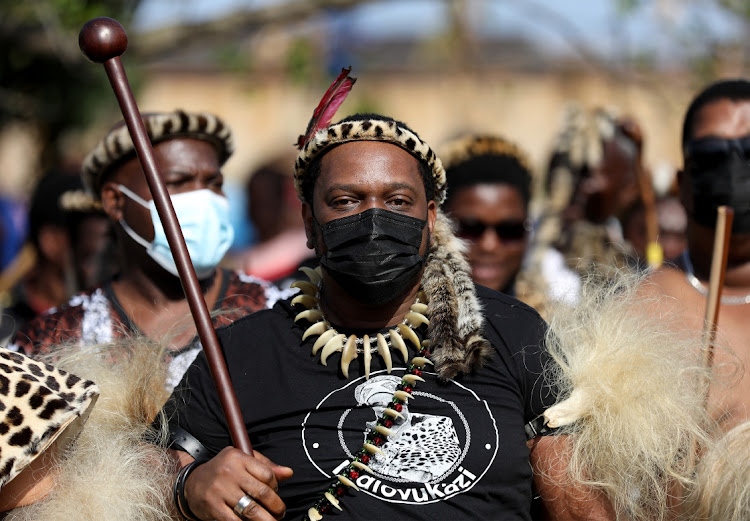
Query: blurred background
x=445, y=67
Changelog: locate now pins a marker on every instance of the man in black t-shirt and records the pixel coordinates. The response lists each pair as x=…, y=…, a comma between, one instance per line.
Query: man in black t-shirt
x=391, y=385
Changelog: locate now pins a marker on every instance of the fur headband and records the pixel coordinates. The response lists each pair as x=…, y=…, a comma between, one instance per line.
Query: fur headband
x=465, y=149
x=39, y=403
x=117, y=144
x=375, y=128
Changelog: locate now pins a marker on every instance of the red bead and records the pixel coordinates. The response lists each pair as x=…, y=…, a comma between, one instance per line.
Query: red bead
x=417, y=372
x=325, y=509
x=377, y=441
x=364, y=459
x=397, y=406
x=408, y=390
x=340, y=491
x=388, y=424
x=353, y=474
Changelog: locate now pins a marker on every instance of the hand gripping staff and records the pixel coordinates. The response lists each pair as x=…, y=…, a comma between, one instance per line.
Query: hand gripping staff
x=103, y=40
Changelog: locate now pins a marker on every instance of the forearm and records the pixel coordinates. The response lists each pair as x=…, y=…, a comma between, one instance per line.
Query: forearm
x=563, y=500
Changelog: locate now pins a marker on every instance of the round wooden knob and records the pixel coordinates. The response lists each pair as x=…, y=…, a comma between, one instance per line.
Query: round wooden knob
x=102, y=38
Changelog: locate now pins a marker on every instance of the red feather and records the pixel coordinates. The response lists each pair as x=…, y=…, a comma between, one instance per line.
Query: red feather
x=326, y=109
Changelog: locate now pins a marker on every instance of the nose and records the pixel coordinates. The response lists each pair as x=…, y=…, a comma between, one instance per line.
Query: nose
x=489, y=240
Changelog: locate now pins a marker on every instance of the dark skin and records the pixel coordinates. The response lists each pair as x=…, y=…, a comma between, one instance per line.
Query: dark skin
x=351, y=181
x=45, y=285
x=609, y=188
x=495, y=261
x=729, y=404
x=88, y=251
x=151, y=296
x=354, y=177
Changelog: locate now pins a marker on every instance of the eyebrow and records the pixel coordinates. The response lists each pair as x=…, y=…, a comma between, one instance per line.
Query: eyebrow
x=355, y=188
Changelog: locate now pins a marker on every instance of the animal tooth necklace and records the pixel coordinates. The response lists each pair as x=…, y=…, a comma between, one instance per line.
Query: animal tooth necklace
x=332, y=341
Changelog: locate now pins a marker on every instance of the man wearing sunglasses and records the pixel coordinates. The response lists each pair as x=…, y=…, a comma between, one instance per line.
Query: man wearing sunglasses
x=490, y=180
x=716, y=171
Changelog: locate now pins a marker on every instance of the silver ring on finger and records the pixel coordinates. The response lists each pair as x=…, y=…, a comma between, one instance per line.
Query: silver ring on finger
x=244, y=502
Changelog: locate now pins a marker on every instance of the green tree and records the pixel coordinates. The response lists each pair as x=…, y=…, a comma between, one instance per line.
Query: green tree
x=44, y=79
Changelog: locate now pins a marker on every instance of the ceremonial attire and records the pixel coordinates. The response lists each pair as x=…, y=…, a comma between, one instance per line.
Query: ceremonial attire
x=460, y=452
x=97, y=317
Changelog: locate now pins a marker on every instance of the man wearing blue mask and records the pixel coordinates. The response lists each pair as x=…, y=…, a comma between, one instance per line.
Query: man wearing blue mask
x=716, y=171
x=146, y=297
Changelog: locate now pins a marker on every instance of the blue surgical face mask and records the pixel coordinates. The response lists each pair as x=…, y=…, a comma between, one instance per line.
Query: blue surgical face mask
x=204, y=219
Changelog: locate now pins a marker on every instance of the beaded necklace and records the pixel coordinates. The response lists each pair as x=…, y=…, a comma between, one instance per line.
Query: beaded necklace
x=331, y=341
x=729, y=300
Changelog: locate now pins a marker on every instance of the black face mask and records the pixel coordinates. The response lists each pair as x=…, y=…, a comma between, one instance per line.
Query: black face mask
x=726, y=183
x=373, y=255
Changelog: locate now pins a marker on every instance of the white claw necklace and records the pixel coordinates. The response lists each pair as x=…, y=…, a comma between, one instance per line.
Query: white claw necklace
x=331, y=341
x=351, y=346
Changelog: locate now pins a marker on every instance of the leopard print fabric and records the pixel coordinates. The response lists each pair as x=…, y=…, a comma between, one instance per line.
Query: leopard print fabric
x=37, y=403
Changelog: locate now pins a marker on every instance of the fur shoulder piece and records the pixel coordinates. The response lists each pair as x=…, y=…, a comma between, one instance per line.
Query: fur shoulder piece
x=631, y=396
x=39, y=403
x=117, y=470
x=456, y=320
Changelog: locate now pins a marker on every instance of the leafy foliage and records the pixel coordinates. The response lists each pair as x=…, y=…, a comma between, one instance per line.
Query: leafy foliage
x=44, y=79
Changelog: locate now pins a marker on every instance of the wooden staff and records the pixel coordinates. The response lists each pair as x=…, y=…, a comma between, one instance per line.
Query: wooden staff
x=103, y=40
x=724, y=218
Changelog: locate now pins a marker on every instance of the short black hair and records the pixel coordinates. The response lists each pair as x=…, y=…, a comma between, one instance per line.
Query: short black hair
x=733, y=90
x=489, y=169
x=313, y=170
x=45, y=209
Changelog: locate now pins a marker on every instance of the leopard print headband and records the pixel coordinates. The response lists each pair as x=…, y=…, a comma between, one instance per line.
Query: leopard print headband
x=372, y=129
x=118, y=144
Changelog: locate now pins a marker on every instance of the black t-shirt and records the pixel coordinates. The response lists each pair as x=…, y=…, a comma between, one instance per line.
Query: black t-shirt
x=461, y=454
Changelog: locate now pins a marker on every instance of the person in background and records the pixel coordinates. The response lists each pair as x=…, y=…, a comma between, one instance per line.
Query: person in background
x=591, y=180
x=672, y=222
x=716, y=148
x=490, y=188
x=274, y=210
x=146, y=297
x=92, y=239
x=50, y=280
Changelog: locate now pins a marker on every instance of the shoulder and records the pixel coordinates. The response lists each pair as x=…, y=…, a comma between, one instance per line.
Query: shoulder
x=253, y=292
x=511, y=326
x=667, y=280
x=499, y=306
x=59, y=325
x=260, y=321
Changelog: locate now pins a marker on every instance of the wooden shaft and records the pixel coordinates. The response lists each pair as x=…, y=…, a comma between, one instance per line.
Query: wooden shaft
x=118, y=79
x=724, y=218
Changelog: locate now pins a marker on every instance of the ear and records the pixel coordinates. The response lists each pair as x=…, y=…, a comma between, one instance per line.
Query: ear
x=307, y=218
x=113, y=201
x=431, y=216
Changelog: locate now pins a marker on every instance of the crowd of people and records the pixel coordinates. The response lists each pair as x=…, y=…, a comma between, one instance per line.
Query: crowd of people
x=431, y=333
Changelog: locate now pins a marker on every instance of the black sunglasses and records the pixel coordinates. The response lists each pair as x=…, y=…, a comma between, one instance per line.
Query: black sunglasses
x=708, y=152
x=506, y=231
